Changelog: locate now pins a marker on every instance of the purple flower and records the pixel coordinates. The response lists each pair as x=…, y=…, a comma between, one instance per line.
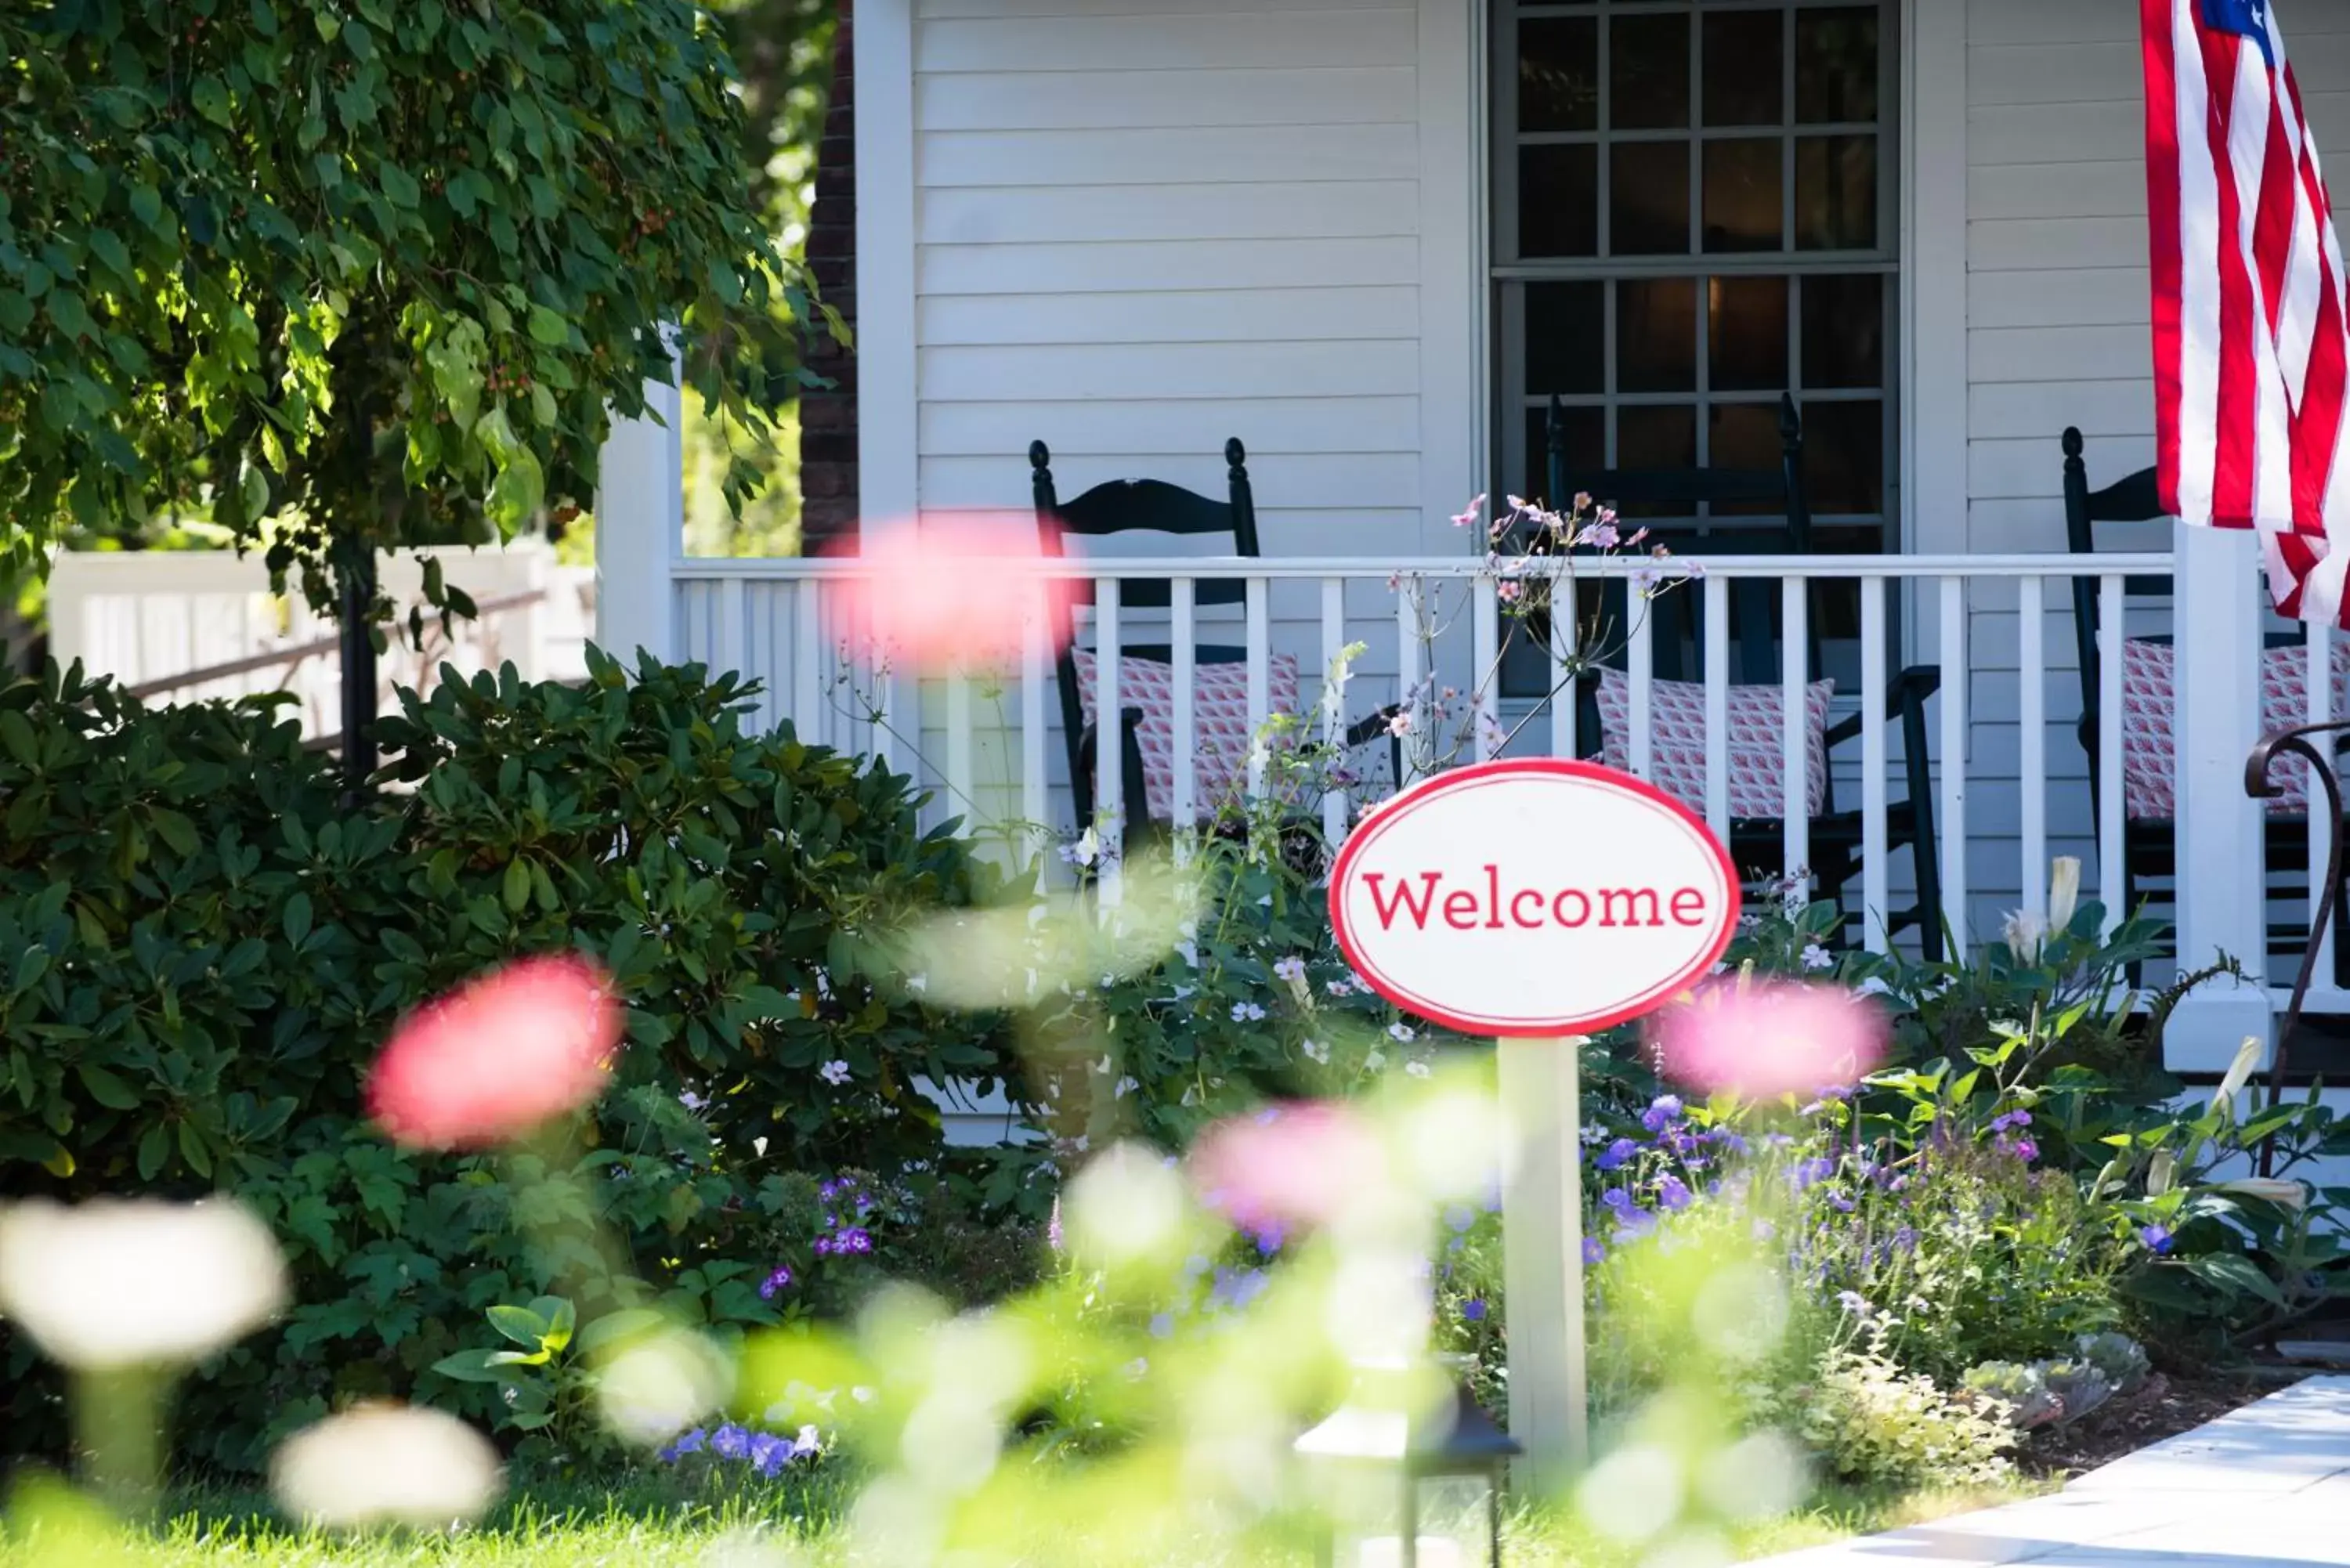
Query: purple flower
x=1460, y=1217
x=1053, y=1237
x=776, y=1283
x=1269, y=1239
x=686, y=1443
x=1162, y=1327
x=1618, y=1199
x=1613, y=1156
x=1904, y=1239
x=2023, y=1148
x=2012, y=1119
x=853, y=1240
x=1595, y=1250
x=1662, y=1112
x=1672, y=1193
x=769, y=1453
x=1853, y=1301
x=2157, y=1239
x=1473, y=1310
x=730, y=1442
x=1809, y=1173
x=1632, y=1224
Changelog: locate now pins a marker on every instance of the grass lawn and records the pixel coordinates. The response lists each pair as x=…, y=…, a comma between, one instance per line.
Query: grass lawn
x=651, y=1526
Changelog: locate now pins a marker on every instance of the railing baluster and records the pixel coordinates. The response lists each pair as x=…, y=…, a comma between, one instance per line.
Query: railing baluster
x=2032, y=716
x=1407, y=693
x=1109, y=738
x=1716, y=591
x=808, y=663
x=2112, y=865
x=878, y=681
x=1794, y=753
x=2321, y=826
x=1565, y=691
x=1640, y=664
x=1182, y=601
x=961, y=774
x=1035, y=671
x=1875, y=882
x=731, y=653
x=1952, y=824
x=1485, y=653
x=1260, y=680
x=1334, y=700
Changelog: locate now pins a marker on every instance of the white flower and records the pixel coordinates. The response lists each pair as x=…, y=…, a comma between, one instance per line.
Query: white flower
x=2023, y=934
x=833, y=1073
x=386, y=1465
x=1125, y=1087
x=1402, y=1033
x=2269, y=1189
x=1290, y=970
x=1315, y=1052
x=128, y=1283
x=1417, y=1069
x=2064, y=891
x=1818, y=957
x=2240, y=1072
x=1374, y=1061
x=1247, y=1012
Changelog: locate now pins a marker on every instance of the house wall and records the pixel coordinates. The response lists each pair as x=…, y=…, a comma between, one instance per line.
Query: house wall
x=2058, y=311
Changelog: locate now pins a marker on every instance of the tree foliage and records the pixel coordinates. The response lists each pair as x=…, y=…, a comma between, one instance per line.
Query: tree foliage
x=356, y=273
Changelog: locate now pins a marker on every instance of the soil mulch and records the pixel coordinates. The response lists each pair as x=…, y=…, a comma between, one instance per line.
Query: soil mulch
x=2164, y=1408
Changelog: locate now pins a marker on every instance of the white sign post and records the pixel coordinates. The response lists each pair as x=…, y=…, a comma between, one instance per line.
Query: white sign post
x=1536, y=902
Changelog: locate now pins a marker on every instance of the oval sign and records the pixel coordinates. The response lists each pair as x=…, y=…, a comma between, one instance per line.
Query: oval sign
x=1533, y=898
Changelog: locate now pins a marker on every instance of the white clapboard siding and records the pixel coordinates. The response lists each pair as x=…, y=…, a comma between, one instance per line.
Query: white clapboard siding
x=1144, y=227
x=2058, y=307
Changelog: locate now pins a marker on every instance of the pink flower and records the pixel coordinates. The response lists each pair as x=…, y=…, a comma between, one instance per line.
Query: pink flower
x=497, y=1056
x=949, y=589
x=1293, y=1165
x=1464, y=518
x=1762, y=1038
x=1510, y=591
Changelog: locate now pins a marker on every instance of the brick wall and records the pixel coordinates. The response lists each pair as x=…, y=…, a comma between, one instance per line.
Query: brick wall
x=828, y=419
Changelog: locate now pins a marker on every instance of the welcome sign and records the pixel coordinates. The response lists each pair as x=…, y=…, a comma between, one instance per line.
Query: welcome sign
x=1538, y=898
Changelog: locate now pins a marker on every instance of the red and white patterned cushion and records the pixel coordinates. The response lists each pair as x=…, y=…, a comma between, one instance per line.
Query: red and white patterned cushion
x=1676, y=741
x=2150, y=702
x=1219, y=715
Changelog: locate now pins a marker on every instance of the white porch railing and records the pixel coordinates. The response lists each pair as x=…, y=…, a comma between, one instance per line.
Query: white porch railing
x=986, y=742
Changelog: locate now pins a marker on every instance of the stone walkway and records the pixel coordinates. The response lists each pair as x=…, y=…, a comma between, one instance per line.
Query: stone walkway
x=2265, y=1486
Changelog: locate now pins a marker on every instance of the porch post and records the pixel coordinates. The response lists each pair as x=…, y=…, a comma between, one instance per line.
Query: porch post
x=641, y=528
x=2218, y=626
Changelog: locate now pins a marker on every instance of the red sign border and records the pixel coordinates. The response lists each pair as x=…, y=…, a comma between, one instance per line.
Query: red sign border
x=1425, y=789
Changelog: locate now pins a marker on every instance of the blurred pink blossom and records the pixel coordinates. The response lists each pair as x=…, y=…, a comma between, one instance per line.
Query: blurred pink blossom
x=1293, y=1165
x=497, y=1056
x=1762, y=1038
x=948, y=588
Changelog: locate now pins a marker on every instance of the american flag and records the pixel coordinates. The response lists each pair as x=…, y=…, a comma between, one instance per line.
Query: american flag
x=2251, y=332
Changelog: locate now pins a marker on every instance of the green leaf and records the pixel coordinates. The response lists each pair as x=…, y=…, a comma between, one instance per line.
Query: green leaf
x=2235, y=1274
x=519, y=1357
x=519, y=1323
x=328, y=24
x=254, y=490
x=210, y=95
x=192, y=1150
x=106, y=1089
x=517, y=892
x=547, y=327
x=146, y=204
x=154, y=1149
x=400, y=186
x=468, y=1367
x=16, y=310
x=297, y=919
x=17, y=734
x=618, y=1327
x=107, y=246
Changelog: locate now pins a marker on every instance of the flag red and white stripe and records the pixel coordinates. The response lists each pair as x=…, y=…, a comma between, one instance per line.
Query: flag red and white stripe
x=2251, y=330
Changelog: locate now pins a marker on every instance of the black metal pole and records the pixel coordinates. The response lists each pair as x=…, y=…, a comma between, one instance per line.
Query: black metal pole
x=356, y=571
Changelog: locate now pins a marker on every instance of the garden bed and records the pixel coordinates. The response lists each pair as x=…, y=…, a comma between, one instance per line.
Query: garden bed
x=2165, y=1407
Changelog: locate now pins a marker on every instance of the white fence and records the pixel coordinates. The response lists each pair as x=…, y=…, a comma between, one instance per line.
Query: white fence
x=180, y=626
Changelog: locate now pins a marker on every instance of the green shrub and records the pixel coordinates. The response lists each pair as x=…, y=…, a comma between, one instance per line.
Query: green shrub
x=209, y=947
x=1869, y=1420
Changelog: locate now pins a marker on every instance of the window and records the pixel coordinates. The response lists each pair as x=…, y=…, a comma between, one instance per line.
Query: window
x=1694, y=213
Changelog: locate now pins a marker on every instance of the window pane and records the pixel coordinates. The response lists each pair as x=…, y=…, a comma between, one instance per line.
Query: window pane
x=1648, y=199
x=1656, y=438
x=1844, y=456
x=1567, y=342
x=1746, y=332
x=1648, y=72
x=1844, y=330
x=1836, y=193
x=1656, y=335
x=1743, y=435
x=1835, y=66
x=1558, y=74
x=1558, y=201
x=1583, y=434
x=1742, y=195
x=1741, y=68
